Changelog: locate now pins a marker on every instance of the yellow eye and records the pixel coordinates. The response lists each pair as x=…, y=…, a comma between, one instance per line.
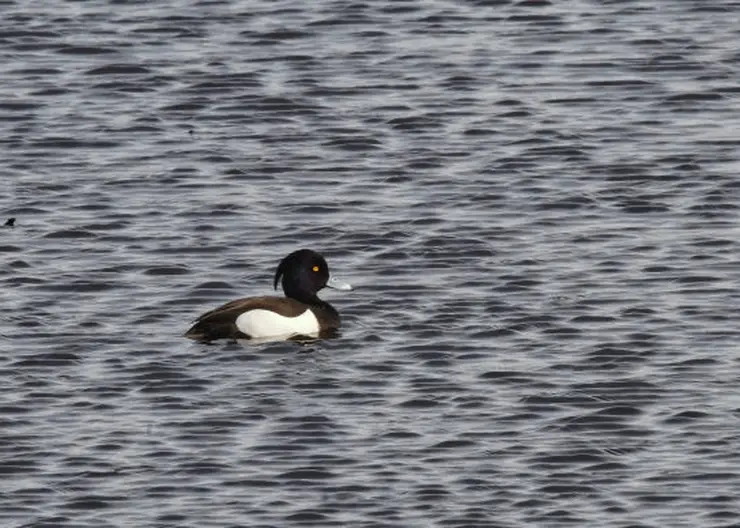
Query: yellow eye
x=315, y=268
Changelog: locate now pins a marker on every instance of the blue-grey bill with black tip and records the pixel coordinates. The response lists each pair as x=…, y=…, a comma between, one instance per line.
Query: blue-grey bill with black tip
x=335, y=284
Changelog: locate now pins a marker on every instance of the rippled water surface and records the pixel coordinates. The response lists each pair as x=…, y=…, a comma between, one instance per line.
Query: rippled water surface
x=537, y=202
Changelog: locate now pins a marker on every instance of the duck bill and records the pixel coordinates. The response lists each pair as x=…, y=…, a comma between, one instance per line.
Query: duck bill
x=335, y=284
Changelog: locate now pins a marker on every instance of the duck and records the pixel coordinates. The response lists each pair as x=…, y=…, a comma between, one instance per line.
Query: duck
x=301, y=313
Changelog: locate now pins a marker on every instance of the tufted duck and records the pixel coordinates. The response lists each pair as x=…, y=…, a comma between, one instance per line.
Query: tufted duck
x=299, y=313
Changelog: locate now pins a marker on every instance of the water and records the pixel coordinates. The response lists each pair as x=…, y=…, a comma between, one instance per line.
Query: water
x=537, y=203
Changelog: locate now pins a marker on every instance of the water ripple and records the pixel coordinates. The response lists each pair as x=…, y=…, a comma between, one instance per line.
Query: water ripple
x=537, y=204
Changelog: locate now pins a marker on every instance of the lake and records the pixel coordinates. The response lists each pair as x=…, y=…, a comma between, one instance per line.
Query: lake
x=536, y=201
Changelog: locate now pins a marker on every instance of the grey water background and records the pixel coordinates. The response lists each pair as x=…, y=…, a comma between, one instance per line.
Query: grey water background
x=537, y=203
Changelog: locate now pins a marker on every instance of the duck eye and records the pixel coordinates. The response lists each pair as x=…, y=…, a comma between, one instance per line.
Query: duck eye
x=315, y=268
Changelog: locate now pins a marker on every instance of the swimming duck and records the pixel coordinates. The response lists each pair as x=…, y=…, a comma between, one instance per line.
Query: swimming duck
x=299, y=313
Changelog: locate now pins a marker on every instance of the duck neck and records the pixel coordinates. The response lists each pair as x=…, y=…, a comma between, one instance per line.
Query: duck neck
x=294, y=291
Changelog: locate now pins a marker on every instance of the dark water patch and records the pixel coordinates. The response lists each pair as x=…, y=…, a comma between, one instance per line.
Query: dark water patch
x=213, y=286
x=79, y=286
x=572, y=101
x=568, y=203
x=92, y=502
x=695, y=97
x=192, y=105
x=20, y=32
x=100, y=206
x=415, y=123
x=354, y=144
x=307, y=473
x=22, y=280
x=201, y=467
x=420, y=403
x=227, y=82
x=460, y=82
x=13, y=409
x=450, y=445
x=593, y=319
x=123, y=87
x=281, y=34
x=163, y=381
x=643, y=207
x=165, y=270
x=505, y=376
x=637, y=84
x=311, y=517
x=562, y=332
x=279, y=105
x=50, y=92
x=614, y=356
x=113, y=225
x=18, y=264
x=479, y=132
x=687, y=417
x=18, y=106
x=401, y=434
x=70, y=49
x=119, y=69
x=491, y=3
x=52, y=522
x=178, y=518
x=60, y=142
x=536, y=19
x=9, y=249
x=47, y=359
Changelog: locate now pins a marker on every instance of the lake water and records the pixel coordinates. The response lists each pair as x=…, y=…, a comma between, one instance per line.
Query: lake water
x=536, y=201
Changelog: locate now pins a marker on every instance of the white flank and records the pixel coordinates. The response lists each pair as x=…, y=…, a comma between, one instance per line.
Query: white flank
x=264, y=323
